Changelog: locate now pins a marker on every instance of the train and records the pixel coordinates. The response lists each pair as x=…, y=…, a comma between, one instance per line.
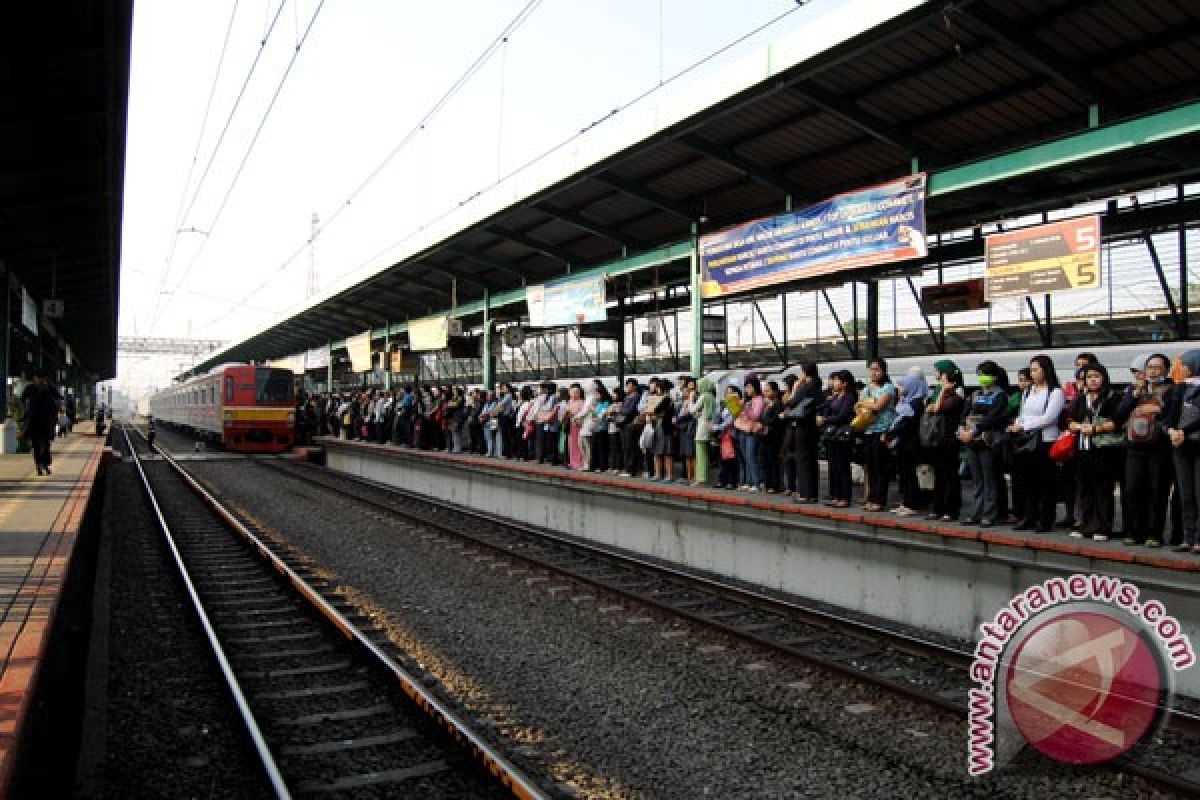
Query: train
x=247, y=408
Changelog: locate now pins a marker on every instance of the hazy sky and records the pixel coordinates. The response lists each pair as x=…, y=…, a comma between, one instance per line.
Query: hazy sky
x=367, y=73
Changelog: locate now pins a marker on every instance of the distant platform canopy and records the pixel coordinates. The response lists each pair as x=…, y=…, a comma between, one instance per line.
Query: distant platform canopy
x=64, y=85
x=1010, y=107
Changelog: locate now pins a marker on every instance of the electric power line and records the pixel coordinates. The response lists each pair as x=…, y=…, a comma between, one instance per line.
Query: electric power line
x=250, y=149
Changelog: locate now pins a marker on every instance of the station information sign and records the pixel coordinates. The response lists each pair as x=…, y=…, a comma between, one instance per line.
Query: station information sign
x=359, y=350
x=1044, y=259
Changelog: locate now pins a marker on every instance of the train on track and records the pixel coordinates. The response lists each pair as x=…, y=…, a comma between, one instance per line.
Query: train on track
x=245, y=407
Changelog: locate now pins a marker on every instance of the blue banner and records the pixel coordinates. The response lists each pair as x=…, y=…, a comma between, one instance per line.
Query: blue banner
x=871, y=226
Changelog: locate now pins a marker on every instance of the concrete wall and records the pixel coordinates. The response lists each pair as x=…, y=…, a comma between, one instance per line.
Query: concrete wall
x=946, y=585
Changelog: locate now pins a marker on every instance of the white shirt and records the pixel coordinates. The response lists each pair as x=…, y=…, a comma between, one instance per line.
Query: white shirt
x=1039, y=412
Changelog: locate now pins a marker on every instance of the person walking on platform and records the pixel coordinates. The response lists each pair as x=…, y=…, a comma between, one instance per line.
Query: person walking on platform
x=40, y=400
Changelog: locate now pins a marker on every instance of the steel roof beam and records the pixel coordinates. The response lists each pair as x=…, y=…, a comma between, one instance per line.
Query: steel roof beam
x=1038, y=55
x=531, y=243
x=730, y=158
x=458, y=274
x=865, y=121
x=679, y=208
x=595, y=228
x=484, y=260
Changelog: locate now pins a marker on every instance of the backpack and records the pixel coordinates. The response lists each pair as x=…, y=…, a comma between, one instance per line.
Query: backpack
x=1143, y=421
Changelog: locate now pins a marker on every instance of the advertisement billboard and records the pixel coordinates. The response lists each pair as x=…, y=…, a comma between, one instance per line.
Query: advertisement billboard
x=359, y=350
x=567, y=301
x=428, y=333
x=876, y=225
x=1044, y=259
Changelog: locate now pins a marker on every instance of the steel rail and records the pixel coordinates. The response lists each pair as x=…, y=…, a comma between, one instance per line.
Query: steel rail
x=265, y=757
x=496, y=763
x=1182, y=721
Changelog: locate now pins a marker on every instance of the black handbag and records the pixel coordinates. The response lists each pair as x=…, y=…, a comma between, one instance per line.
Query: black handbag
x=934, y=432
x=1189, y=415
x=840, y=434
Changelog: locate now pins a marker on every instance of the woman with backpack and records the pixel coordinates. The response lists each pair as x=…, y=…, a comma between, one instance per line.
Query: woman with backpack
x=1148, y=467
x=1094, y=419
x=1034, y=430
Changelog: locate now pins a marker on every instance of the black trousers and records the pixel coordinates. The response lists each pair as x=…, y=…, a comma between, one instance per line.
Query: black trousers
x=1148, y=478
x=616, y=453
x=1040, y=478
x=1095, y=477
x=802, y=462
x=40, y=444
x=770, y=455
x=630, y=434
x=947, y=486
x=878, y=464
x=599, y=452
x=907, y=460
x=841, y=487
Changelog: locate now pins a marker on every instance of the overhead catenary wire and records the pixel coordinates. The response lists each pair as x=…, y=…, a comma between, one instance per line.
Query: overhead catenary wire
x=182, y=217
x=474, y=67
x=250, y=148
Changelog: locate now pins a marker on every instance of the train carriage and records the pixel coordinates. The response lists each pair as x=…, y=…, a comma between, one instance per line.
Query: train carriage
x=247, y=408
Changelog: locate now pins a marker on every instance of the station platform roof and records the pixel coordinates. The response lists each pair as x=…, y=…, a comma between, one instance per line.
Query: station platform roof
x=65, y=69
x=1010, y=107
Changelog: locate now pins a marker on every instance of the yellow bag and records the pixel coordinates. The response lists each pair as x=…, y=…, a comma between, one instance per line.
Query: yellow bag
x=863, y=419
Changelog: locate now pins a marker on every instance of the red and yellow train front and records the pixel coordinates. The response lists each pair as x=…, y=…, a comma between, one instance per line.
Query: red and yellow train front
x=258, y=409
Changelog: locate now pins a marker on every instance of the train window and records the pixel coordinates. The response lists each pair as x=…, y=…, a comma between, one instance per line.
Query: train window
x=228, y=388
x=273, y=385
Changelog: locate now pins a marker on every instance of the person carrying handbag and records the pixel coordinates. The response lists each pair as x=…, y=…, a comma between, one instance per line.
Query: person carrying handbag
x=749, y=425
x=833, y=419
x=942, y=446
x=1095, y=420
x=986, y=417
x=878, y=400
x=1041, y=408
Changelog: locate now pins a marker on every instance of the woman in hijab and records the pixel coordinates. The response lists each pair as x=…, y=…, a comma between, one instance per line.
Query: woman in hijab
x=702, y=409
x=904, y=437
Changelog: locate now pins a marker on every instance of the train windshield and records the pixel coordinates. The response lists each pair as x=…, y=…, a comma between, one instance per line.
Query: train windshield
x=273, y=386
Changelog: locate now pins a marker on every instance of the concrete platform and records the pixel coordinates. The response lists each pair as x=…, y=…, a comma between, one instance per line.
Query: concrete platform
x=40, y=520
x=936, y=576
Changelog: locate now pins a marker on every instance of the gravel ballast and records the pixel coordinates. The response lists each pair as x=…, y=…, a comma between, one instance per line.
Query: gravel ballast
x=622, y=702
x=169, y=728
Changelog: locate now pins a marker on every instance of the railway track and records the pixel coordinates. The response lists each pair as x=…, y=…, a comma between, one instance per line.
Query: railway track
x=930, y=672
x=325, y=708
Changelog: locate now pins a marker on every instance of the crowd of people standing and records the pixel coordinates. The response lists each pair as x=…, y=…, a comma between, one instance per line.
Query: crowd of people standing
x=1026, y=446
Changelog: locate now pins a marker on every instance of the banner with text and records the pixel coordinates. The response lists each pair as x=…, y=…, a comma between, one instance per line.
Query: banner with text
x=567, y=301
x=1044, y=259
x=317, y=358
x=359, y=349
x=871, y=226
x=428, y=333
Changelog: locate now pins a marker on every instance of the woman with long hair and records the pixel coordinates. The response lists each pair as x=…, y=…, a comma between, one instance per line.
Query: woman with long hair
x=879, y=400
x=833, y=419
x=749, y=426
x=772, y=436
x=946, y=402
x=1094, y=419
x=1035, y=429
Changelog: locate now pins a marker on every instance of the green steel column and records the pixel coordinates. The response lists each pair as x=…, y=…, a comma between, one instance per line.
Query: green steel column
x=489, y=360
x=697, y=307
x=387, y=356
x=329, y=366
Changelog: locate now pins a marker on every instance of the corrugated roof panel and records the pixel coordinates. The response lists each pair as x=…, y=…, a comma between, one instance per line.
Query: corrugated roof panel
x=731, y=203
x=695, y=178
x=762, y=114
x=898, y=55
x=654, y=160
x=615, y=208
x=783, y=145
x=660, y=226
x=579, y=194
